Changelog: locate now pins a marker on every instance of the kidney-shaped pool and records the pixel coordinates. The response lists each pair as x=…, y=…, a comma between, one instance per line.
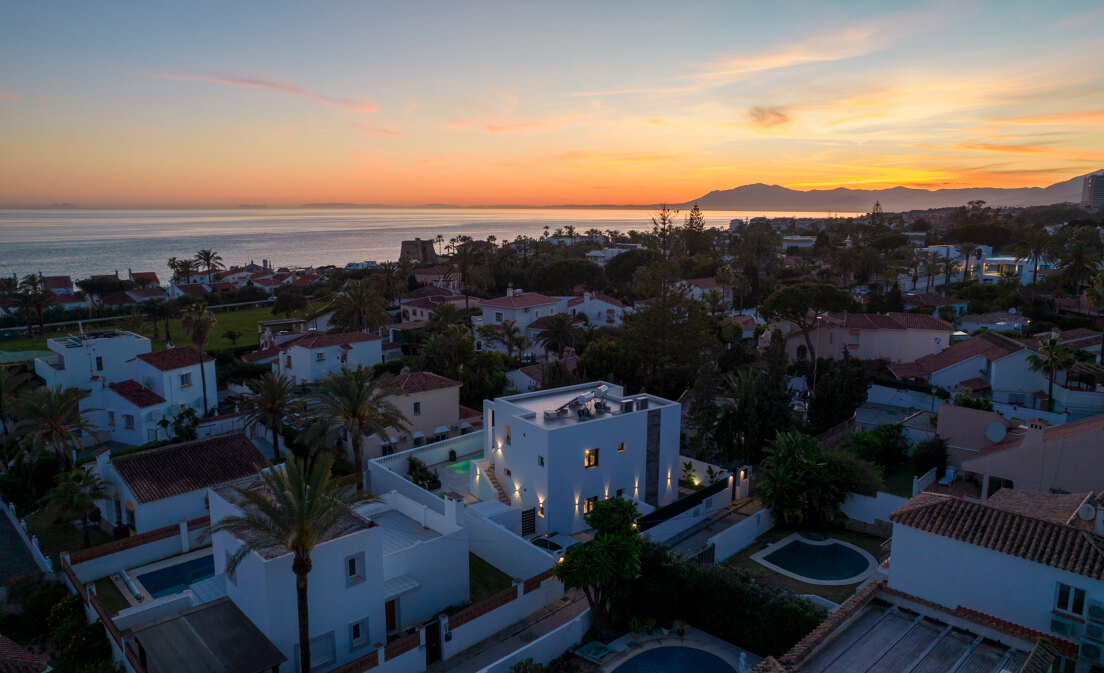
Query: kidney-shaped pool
x=674, y=659
x=818, y=561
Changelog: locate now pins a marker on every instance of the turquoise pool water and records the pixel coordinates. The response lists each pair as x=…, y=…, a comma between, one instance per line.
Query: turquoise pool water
x=675, y=660
x=462, y=467
x=819, y=561
x=177, y=578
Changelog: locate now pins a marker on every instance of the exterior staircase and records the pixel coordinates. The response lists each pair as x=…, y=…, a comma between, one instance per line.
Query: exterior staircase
x=502, y=497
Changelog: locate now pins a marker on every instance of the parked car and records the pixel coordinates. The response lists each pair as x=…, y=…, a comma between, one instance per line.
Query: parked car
x=557, y=544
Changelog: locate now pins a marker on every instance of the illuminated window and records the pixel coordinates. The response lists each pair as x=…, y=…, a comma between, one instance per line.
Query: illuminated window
x=620, y=447
x=588, y=504
x=591, y=458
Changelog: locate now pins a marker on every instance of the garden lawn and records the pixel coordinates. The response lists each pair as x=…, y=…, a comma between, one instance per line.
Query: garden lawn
x=109, y=597
x=836, y=594
x=484, y=579
x=63, y=536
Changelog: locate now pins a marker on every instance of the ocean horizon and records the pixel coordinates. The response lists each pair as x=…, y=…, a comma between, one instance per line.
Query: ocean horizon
x=81, y=243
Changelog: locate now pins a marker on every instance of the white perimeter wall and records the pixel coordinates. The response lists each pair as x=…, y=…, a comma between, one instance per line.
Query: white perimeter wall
x=547, y=647
x=503, y=549
x=868, y=509
x=739, y=537
x=485, y=626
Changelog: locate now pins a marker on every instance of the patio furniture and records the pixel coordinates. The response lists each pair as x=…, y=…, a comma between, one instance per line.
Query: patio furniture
x=948, y=477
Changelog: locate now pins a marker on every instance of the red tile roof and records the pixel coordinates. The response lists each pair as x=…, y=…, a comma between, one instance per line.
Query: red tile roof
x=419, y=382
x=1061, y=546
x=889, y=321
x=146, y=293
x=114, y=299
x=221, y=286
x=135, y=393
x=193, y=290
x=63, y=299
x=145, y=275
x=705, y=283
x=56, y=282
x=306, y=279
x=156, y=474
x=427, y=291
x=266, y=282
x=325, y=340
x=14, y=658
x=990, y=345
x=520, y=300
x=930, y=300
x=174, y=358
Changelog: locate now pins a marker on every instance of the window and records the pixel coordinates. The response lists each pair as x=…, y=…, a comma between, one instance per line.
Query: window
x=498, y=316
x=508, y=473
x=590, y=458
x=507, y=435
x=130, y=514
x=128, y=421
x=540, y=461
x=354, y=569
x=588, y=504
x=1070, y=599
x=111, y=418
x=620, y=447
x=1063, y=665
x=185, y=380
x=319, y=357
x=99, y=364
x=417, y=408
x=358, y=634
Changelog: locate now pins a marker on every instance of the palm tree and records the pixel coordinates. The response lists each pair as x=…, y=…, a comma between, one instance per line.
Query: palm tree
x=439, y=239
x=350, y=403
x=358, y=309
x=299, y=508
x=77, y=492
x=511, y=337
x=271, y=399
x=467, y=264
x=1094, y=294
x=1034, y=243
x=199, y=322
x=560, y=331
x=174, y=266
x=1077, y=266
x=185, y=268
x=155, y=310
x=445, y=314
x=1053, y=357
x=389, y=282
x=930, y=261
x=11, y=382
x=210, y=260
x=52, y=418
x=34, y=298
x=798, y=486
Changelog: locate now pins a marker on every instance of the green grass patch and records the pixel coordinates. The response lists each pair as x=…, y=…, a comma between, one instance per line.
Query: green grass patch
x=484, y=579
x=836, y=594
x=898, y=481
x=109, y=596
x=55, y=537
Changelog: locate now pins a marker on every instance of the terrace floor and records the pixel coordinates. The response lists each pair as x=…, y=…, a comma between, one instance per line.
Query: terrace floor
x=454, y=475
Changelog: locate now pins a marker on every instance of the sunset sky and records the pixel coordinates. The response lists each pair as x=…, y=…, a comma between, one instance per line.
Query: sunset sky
x=219, y=104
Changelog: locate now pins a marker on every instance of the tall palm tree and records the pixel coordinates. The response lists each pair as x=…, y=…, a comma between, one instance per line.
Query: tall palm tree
x=350, y=403
x=271, y=399
x=174, y=266
x=387, y=279
x=560, y=331
x=467, y=264
x=52, y=418
x=1094, y=294
x=1078, y=264
x=210, y=260
x=34, y=298
x=511, y=337
x=156, y=311
x=199, y=322
x=1034, y=243
x=298, y=509
x=359, y=308
x=445, y=314
x=1053, y=357
x=77, y=492
x=11, y=383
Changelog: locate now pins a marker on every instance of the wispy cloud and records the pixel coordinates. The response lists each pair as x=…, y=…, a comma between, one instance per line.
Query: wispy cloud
x=356, y=105
x=1082, y=117
x=534, y=125
x=767, y=116
x=380, y=131
x=7, y=95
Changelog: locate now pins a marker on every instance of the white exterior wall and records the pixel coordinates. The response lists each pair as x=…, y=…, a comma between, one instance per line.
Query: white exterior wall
x=869, y=344
x=1013, y=380
x=151, y=515
x=305, y=367
x=103, y=402
x=265, y=590
x=950, y=377
x=80, y=363
x=522, y=316
x=953, y=573
x=598, y=313
x=168, y=384
x=563, y=483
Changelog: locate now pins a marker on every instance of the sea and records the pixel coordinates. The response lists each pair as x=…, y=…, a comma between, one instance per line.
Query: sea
x=81, y=243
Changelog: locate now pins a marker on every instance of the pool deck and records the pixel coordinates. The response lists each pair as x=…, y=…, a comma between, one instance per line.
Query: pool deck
x=456, y=482
x=628, y=647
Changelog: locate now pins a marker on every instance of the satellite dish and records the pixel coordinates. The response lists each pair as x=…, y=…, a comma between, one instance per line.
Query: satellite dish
x=1087, y=512
x=995, y=432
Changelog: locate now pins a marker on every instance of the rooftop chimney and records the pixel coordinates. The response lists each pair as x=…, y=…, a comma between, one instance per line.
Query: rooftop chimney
x=1035, y=432
x=937, y=346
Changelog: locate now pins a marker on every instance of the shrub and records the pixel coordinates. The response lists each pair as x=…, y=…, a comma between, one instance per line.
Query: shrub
x=37, y=608
x=970, y=402
x=857, y=475
x=929, y=454
x=885, y=445
x=420, y=474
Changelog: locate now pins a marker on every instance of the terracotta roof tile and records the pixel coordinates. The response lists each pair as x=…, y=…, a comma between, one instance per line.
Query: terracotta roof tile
x=145, y=275
x=173, y=358
x=193, y=290
x=14, y=658
x=325, y=340
x=900, y=321
x=156, y=474
x=990, y=345
x=1061, y=546
x=419, y=382
x=135, y=393
x=427, y=291
x=930, y=300
x=520, y=300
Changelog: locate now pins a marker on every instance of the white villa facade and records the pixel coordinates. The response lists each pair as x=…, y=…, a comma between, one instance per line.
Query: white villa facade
x=311, y=358
x=556, y=453
x=82, y=359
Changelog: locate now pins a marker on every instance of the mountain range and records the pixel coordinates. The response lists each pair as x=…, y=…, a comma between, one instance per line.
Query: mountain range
x=896, y=199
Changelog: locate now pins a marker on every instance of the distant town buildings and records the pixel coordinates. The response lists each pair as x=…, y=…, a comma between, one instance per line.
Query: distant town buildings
x=1092, y=193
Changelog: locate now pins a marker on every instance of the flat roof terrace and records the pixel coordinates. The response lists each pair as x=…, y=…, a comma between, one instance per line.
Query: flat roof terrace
x=399, y=531
x=581, y=403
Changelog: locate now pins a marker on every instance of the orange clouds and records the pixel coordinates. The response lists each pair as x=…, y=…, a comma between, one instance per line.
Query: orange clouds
x=356, y=105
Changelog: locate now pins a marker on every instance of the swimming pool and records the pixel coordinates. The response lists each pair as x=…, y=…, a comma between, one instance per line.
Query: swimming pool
x=826, y=561
x=177, y=578
x=463, y=467
x=675, y=659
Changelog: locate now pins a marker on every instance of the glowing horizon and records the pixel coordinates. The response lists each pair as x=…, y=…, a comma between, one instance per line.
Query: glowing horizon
x=520, y=103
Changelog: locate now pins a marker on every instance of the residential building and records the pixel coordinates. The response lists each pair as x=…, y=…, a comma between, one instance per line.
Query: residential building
x=1038, y=458
x=600, y=309
x=603, y=256
x=799, y=242
x=701, y=289
x=524, y=309
x=158, y=487
x=82, y=359
x=994, y=268
x=174, y=374
x=1092, y=191
x=1000, y=321
x=144, y=278
x=315, y=356
x=1030, y=560
x=934, y=302
x=555, y=453
x=966, y=431
x=422, y=308
x=439, y=275
x=531, y=377
x=431, y=405
x=387, y=566
x=896, y=337
x=127, y=412
x=989, y=365
x=57, y=284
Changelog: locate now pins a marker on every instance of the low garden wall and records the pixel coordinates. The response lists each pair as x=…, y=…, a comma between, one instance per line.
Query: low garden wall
x=739, y=537
x=506, y=551
x=870, y=509
x=547, y=647
x=138, y=550
x=484, y=619
x=44, y=563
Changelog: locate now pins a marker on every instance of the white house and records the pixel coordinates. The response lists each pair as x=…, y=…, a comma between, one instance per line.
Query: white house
x=600, y=309
x=799, y=242
x=999, y=321
x=126, y=412
x=993, y=268
x=387, y=566
x=313, y=357
x=520, y=307
x=158, y=487
x=82, y=359
x=555, y=453
x=603, y=256
x=896, y=337
x=700, y=289
x=174, y=375
x=1033, y=559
